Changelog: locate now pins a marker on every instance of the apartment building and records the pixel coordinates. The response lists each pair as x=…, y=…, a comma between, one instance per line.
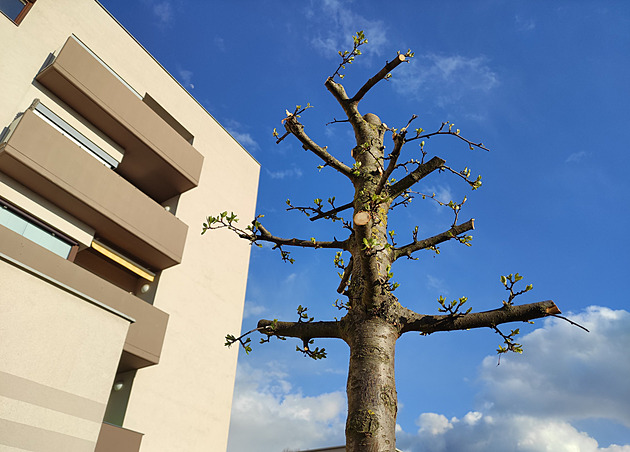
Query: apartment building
x=113, y=308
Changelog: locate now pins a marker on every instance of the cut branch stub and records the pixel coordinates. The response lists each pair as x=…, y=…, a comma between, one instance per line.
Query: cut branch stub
x=361, y=218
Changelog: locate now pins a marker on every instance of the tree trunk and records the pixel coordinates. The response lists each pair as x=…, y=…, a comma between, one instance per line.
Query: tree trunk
x=372, y=400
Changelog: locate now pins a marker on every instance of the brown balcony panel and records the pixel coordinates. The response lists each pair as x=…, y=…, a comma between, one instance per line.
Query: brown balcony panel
x=157, y=159
x=145, y=337
x=114, y=438
x=53, y=166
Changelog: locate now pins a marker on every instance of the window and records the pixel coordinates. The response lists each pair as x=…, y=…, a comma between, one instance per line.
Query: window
x=16, y=9
x=74, y=135
x=36, y=231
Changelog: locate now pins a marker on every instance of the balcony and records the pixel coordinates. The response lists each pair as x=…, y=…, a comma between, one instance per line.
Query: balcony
x=158, y=160
x=145, y=336
x=58, y=169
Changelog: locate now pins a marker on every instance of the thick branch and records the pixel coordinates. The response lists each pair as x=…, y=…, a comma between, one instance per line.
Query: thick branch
x=266, y=236
x=292, y=125
x=427, y=324
x=301, y=330
x=417, y=245
x=420, y=172
x=378, y=77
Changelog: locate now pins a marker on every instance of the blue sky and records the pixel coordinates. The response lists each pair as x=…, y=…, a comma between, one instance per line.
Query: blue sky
x=545, y=86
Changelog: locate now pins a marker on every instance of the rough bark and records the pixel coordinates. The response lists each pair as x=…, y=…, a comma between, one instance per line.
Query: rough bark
x=371, y=388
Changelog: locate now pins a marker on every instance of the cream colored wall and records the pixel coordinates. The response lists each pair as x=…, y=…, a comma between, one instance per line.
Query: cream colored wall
x=57, y=363
x=184, y=402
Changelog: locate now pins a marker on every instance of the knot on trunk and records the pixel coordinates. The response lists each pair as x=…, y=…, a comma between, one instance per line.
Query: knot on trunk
x=371, y=118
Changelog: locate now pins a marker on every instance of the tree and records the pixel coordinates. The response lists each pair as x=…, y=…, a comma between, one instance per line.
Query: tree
x=375, y=319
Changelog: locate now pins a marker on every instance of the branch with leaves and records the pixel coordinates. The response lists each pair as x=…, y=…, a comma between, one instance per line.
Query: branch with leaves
x=455, y=232
x=256, y=232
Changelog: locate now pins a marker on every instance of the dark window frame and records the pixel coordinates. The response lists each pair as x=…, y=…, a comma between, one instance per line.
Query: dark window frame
x=28, y=4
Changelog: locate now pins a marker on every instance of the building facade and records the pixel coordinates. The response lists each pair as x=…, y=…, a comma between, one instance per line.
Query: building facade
x=113, y=308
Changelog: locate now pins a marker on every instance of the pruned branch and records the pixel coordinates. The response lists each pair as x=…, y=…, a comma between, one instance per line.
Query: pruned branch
x=423, y=170
x=380, y=75
x=293, y=126
x=427, y=324
x=429, y=242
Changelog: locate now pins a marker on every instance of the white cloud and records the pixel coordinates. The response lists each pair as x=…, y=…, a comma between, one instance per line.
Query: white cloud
x=443, y=193
x=576, y=157
x=567, y=372
x=186, y=78
x=164, y=11
x=235, y=129
x=437, y=284
x=294, y=172
x=524, y=24
x=530, y=400
x=245, y=139
x=433, y=424
x=506, y=433
x=219, y=43
x=341, y=22
x=269, y=415
x=253, y=309
x=447, y=79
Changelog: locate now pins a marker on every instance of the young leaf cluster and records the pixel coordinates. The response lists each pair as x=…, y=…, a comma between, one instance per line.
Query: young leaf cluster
x=347, y=57
x=453, y=307
x=509, y=281
x=510, y=344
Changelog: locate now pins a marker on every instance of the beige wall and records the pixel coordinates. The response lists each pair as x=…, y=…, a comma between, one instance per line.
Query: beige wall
x=184, y=402
x=57, y=363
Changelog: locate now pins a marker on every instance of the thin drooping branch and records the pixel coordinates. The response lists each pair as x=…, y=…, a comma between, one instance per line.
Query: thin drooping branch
x=380, y=75
x=429, y=242
x=427, y=324
x=301, y=330
x=416, y=175
x=571, y=322
x=293, y=126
